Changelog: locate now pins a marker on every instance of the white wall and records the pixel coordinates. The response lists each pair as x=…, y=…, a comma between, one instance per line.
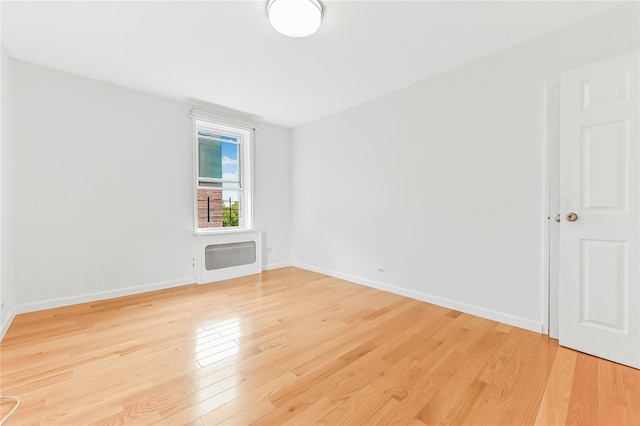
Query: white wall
x=441, y=183
x=7, y=285
x=103, y=189
x=273, y=193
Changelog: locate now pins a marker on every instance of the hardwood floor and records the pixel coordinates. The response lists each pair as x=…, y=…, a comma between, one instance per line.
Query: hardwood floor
x=295, y=347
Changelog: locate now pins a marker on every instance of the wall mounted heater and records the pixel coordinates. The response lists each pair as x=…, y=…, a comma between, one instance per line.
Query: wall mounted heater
x=227, y=255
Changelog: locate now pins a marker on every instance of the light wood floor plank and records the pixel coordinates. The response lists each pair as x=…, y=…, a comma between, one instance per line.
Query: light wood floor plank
x=448, y=396
x=295, y=347
x=555, y=401
x=583, y=402
x=631, y=380
x=535, y=371
x=611, y=403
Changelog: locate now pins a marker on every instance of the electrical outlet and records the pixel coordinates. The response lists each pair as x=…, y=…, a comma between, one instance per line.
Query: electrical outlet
x=382, y=269
x=269, y=250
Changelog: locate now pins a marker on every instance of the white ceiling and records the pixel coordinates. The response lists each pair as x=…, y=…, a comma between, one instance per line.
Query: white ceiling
x=226, y=53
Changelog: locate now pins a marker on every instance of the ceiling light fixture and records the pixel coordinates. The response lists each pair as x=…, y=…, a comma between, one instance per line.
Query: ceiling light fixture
x=295, y=18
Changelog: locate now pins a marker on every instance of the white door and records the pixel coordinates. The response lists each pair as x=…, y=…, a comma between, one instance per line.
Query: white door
x=600, y=210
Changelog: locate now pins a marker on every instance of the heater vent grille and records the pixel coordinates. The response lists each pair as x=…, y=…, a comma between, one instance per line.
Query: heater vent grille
x=219, y=256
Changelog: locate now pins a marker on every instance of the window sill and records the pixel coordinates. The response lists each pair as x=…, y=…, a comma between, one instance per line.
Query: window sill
x=224, y=232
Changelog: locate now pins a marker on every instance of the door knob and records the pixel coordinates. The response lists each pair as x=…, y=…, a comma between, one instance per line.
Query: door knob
x=572, y=217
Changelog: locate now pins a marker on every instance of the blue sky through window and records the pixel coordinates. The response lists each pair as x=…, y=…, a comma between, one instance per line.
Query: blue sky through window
x=229, y=161
x=230, y=169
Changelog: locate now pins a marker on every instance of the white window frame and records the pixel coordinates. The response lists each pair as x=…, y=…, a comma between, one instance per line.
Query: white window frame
x=245, y=135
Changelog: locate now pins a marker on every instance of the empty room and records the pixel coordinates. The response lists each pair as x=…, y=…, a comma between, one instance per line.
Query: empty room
x=320, y=212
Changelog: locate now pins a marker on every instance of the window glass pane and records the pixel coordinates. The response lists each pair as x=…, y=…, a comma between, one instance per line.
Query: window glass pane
x=209, y=159
x=231, y=208
x=219, y=209
x=230, y=164
x=219, y=160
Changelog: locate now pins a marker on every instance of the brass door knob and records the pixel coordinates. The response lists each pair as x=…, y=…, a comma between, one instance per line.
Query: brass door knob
x=572, y=217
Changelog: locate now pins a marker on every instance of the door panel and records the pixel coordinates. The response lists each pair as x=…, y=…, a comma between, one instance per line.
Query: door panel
x=599, y=181
x=605, y=150
x=603, y=283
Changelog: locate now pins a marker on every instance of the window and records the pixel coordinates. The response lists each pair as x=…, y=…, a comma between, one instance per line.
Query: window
x=223, y=176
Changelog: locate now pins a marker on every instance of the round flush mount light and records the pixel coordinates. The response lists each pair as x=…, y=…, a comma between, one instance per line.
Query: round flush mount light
x=295, y=18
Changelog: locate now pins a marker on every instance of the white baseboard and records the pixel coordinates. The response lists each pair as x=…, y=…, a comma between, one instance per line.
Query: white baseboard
x=90, y=297
x=509, y=319
x=101, y=295
x=7, y=323
x=276, y=266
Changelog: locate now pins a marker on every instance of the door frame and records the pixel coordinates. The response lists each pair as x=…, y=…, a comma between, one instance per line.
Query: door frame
x=551, y=207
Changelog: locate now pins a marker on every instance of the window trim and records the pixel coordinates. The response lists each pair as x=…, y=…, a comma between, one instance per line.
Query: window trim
x=246, y=169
